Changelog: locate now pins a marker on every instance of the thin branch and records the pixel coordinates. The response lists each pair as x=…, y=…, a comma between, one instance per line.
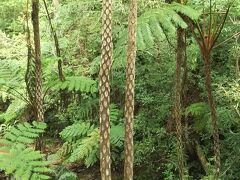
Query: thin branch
x=210, y=25
x=218, y=32
x=203, y=45
x=54, y=34
x=237, y=34
x=21, y=96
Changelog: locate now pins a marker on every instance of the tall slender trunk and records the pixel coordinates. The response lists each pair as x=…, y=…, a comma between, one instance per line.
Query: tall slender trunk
x=38, y=69
x=30, y=71
x=130, y=84
x=208, y=84
x=180, y=56
x=104, y=89
x=56, y=43
x=63, y=93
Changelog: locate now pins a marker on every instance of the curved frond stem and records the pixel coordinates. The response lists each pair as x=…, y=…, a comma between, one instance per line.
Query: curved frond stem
x=226, y=40
x=219, y=29
x=203, y=45
x=210, y=24
x=20, y=94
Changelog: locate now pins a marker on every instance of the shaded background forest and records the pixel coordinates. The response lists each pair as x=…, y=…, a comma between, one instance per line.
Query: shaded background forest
x=71, y=135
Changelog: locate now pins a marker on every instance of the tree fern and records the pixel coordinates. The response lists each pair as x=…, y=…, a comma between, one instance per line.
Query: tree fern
x=17, y=157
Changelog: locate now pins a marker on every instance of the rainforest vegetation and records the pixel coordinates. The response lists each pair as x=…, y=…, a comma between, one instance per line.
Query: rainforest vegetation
x=119, y=89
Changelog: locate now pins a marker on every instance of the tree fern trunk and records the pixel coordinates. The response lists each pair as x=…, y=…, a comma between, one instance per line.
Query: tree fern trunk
x=30, y=71
x=104, y=90
x=178, y=117
x=38, y=69
x=208, y=84
x=130, y=84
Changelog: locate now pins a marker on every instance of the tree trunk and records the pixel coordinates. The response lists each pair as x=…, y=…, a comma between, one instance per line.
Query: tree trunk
x=104, y=89
x=180, y=56
x=130, y=84
x=30, y=71
x=38, y=69
x=202, y=158
x=208, y=84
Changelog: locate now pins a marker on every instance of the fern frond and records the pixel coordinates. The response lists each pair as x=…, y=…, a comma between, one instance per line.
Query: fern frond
x=65, y=174
x=24, y=133
x=24, y=163
x=19, y=159
x=9, y=73
x=197, y=109
x=76, y=131
x=86, y=147
x=15, y=109
x=200, y=112
x=153, y=26
x=92, y=157
x=68, y=176
x=140, y=40
x=185, y=10
x=117, y=135
x=114, y=114
x=76, y=83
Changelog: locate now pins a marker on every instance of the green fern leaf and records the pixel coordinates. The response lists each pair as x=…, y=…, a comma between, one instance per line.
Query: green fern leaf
x=76, y=131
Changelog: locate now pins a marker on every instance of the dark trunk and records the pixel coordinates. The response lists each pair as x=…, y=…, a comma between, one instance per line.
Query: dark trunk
x=180, y=56
x=30, y=71
x=38, y=69
x=202, y=158
x=208, y=84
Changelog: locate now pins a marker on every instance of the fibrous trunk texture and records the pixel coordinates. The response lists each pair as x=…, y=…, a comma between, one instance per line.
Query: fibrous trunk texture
x=38, y=95
x=38, y=69
x=104, y=90
x=180, y=56
x=202, y=158
x=130, y=84
x=30, y=71
x=216, y=141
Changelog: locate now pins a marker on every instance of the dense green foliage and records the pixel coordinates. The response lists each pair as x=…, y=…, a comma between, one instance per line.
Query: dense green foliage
x=18, y=157
x=72, y=132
